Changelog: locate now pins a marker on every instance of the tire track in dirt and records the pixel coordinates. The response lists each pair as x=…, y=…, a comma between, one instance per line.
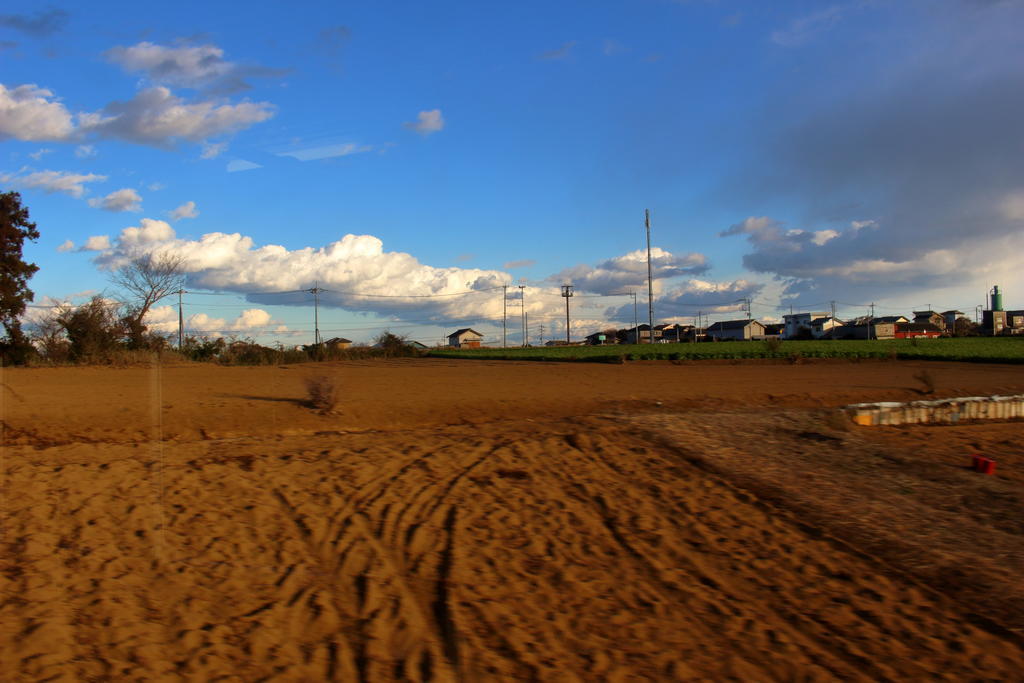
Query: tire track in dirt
x=581, y=549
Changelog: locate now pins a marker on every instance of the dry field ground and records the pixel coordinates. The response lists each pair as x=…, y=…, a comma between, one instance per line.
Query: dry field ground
x=467, y=520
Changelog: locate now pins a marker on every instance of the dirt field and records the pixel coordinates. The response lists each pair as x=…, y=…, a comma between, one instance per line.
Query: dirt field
x=462, y=520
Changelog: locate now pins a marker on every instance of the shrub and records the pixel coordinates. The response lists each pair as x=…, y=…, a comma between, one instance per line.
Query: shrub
x=927, y=382
x=322, y=394
x=94, y=330
x=773, y=345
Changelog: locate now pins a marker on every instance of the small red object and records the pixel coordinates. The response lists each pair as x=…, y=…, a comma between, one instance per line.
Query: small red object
x=988, y=466
x=976, y=462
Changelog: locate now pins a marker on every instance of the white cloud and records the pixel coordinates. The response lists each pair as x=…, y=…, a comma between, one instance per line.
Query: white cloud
x=183, y=66
x=212, y=150
x=630, y=270
x=328, y=151
x=85, y=151
x=236, y=165
x=158, y=117
x=28, y=112
x=427, y=122
x=186, y=210
x=164, y=319
x=40, y=153
x=66, y=245
x=125, y=199
x=154, y=116
x=97, y=243
x=65, y=182
x=188, y=66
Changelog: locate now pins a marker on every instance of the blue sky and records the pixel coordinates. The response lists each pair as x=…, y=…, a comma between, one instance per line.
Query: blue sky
x=795, y=153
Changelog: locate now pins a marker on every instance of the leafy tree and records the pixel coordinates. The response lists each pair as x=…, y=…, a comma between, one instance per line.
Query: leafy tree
x=15, y=228
x=146, y=280
x=94, y=331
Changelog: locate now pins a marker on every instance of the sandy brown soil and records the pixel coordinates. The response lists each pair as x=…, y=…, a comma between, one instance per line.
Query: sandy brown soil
x=474, y=521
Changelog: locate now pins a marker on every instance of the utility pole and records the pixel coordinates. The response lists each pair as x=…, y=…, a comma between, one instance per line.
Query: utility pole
x=316, y=312
x=833, y=310
x=636, y=321
x=871, y=320
x=650, y=280
x=542, y=334
x=181, y=318
x=526, y=328
x=504, y=315
x=522, y=303
x=567, y=292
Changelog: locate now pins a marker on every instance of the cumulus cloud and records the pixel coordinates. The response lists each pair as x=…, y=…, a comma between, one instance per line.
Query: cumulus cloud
x=28, y=112
x=186, y=210
x=187, y=66
x=40, y=153
x=51, y=182
x=629, y=271
x=164, y=319
x=66, y=245
x=125, y=199
x=426, y=122
x=39, y=25
x=97, y=243
x=85, y=151
x=158, y=117
x=358, y=273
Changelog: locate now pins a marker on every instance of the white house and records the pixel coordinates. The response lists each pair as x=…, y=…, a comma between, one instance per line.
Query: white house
x=795, y=322
x=466, y=338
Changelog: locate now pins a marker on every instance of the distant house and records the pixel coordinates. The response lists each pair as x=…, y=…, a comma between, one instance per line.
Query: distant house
x=641, y=334
x=866, y=328
x=826, y=328
x=774, y=330
x=799, y=324
x=950, y=318
x=917, y=330
x=736, y=329
x=329, y=345
x=888, y=319
x=930, y=318
x=671, y=333
x=337, y=343
x=466, y=338
x=602, y=338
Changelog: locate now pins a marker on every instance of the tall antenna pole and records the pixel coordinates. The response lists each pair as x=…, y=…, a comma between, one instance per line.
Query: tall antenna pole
x=181, y=318
x=522, y=303
x=567, y=292
x=636, y=321
x=650, y=280
x=504, y=315
x=316, y=312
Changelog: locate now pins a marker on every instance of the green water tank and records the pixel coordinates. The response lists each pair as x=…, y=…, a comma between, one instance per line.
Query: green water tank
x=997, y=299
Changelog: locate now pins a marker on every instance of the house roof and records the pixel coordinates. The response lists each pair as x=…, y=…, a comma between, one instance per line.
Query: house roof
x=917, y=327
x=953, y=312
x=800, y=315
x=731, y=324
x=338, y=340
x=924, y=313
x=456, y=333
x=822, y=321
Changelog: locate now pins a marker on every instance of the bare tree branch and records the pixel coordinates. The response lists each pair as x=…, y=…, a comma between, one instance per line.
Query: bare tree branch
x=146, y=280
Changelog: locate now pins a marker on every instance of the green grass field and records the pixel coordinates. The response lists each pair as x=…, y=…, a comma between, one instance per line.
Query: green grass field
x=974, y=349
